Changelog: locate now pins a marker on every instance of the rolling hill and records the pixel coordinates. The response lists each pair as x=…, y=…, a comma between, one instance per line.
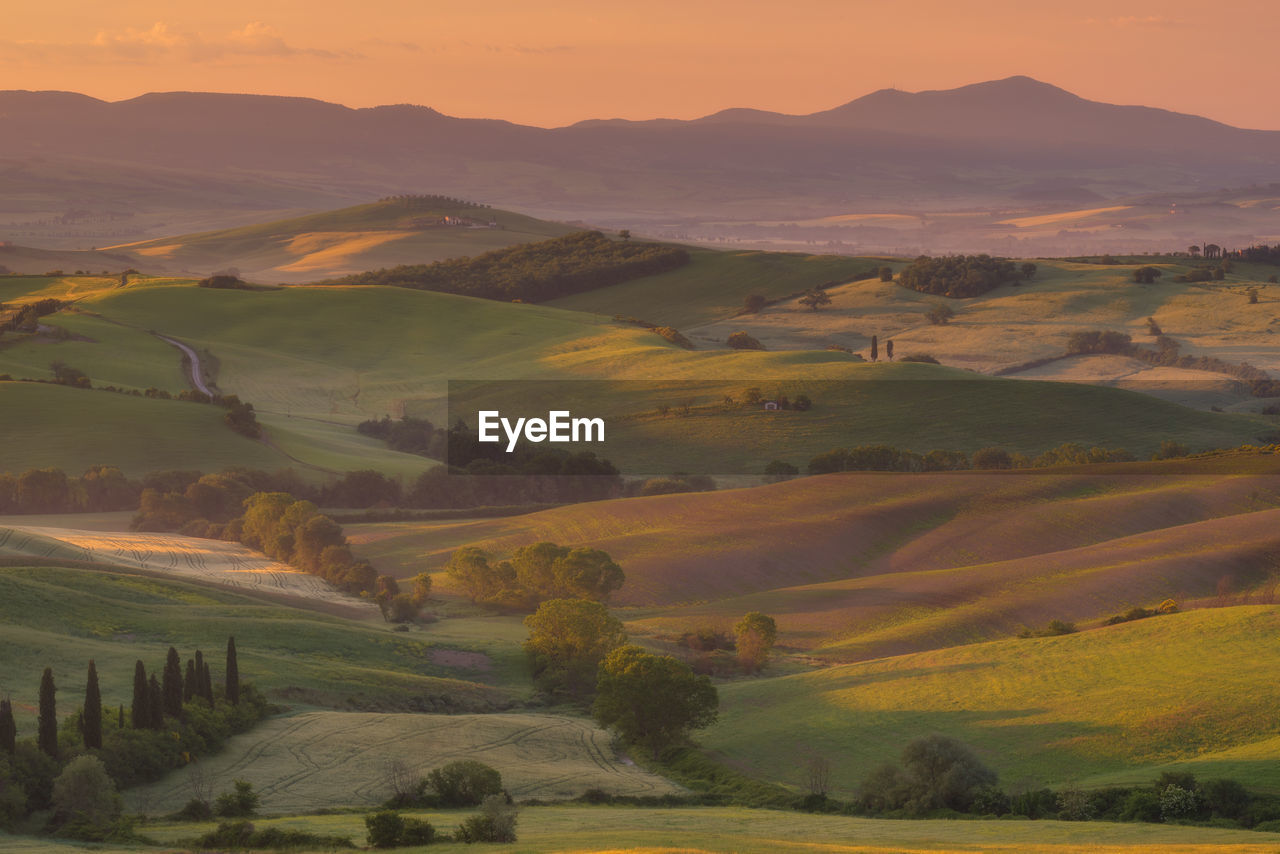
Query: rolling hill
x=1186, y=690
x=395, y=231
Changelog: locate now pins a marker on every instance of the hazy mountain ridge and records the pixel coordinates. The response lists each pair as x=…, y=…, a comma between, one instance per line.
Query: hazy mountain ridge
x=985, y=145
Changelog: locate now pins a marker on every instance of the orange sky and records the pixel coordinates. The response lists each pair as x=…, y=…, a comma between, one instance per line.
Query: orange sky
x=558, y=61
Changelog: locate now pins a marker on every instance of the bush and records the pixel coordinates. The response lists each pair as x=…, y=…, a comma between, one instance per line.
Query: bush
x=242, y=834
x=196, y=809
x=417, y=831
x=85, y=800
x=242, y=802
x=384, y=828
x=919, y=357
x=464, y=783
x=742, y=341
x=1141, y=805
x=496, y=822
x=992, y=458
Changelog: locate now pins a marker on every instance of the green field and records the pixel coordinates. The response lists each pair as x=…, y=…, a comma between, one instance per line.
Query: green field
x=1110, y=704
x=628, y=830
x=713, y=285
x=61, y=618
x=73, y=429
x=349, y=240
x=315, y=361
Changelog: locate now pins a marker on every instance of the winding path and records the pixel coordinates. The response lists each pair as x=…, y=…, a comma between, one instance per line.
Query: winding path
x=196, y=378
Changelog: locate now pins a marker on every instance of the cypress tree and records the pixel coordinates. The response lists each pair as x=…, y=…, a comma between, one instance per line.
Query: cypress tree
x=120, y=716
x=155, y=703
x=8, y=728
x=875, y=348
x=207, y=685
x=888, y=349
x=200, y=675
x=92, y=710
x=140, y=711
x=171, y=684
x=233, y=673
x=47, y=738
x=189, y=687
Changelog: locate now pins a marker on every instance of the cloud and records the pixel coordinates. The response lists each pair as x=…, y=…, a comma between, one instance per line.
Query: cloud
x=1126, y=21
x=161, y=43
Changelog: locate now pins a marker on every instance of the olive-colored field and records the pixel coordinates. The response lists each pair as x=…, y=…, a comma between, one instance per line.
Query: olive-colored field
x=61, y=618
x=1012, y=325
x=72, y=429
x=348, y=240
x=694, y=830
x=315, y=361
x=319, y=760
x=970, y=555
x=214, y=562
x=1193, y=689
x=714, y=284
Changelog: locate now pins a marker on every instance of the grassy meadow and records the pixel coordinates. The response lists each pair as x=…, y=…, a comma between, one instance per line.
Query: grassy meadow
x=327, y=759
x=62, y=617
x=1111, y=703
x=642, y=830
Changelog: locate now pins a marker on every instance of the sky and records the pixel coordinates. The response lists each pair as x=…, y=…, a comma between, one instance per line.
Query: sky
x=554, y=62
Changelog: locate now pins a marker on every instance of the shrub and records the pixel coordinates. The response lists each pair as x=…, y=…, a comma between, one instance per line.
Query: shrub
x=742, y=341
x=241, y=802
x=464, y=783
x=496, y=822
x=754, y=303
x=940, y=314
x=196, y=809
x=417, y=831
x=919, y=357
x=1141, y=805
x=1177, y=802
x=85, y=800
x=383, y=828
x=992, y=458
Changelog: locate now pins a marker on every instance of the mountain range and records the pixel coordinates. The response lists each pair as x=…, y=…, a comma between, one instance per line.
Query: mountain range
x=995, y=144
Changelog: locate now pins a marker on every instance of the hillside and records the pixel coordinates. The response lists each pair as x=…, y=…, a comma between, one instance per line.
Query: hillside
x=883, y=551
x=1188, y=690
x=61, y=618
x=403, y=230
x=1013, y=325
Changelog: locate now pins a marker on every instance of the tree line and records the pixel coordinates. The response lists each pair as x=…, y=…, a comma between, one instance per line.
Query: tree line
x=534, y=272
x=891, y=459
x=1166, y=353
x=959, y=276
x=71, y=771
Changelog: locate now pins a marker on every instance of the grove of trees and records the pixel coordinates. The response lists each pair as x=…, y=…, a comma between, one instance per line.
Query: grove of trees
x=958, y=276
x=535, y=272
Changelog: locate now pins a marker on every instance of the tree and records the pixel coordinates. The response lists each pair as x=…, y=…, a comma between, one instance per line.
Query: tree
x=85, y=799
x=8, y=728
x=464, y=783
x=625, y=234
x=815, y=298
x=1147, y=275
x=201, y=676
x=652, y=701
x=191, y=685
x=1194, y=250
x=1028, y=270
x=754, y=635
x=92, y=710
x=886, y=274
x=47, y=737
x=155, y=702
x=992, y=458
x=888, y=349
x=233, y=673
x=496, y=822
x=140, y=710
x=568, y=638
x=875, y=348
x=421, y=589
x=742, y=341
x=943, y=772
x=781, y=469
x=754, y=303
x=171, y=684
x=1253, y=296
x=940, y=314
